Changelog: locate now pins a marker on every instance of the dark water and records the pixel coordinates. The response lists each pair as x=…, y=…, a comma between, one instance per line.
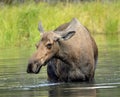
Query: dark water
x=15, y=82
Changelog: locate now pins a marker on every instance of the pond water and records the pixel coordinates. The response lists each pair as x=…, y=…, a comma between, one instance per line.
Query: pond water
x=15, y=82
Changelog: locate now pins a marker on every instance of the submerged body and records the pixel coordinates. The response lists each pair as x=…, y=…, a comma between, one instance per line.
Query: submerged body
x=72, y=55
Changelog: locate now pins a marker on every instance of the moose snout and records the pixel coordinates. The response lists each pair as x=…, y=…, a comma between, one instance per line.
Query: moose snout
x=34, y=67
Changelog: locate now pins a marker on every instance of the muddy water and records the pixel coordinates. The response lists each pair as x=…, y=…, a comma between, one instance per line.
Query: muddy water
x=15, y=82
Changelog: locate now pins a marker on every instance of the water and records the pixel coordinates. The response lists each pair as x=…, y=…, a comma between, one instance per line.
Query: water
x=15, y=82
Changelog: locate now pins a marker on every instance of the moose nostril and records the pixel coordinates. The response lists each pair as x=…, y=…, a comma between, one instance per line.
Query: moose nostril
x=35, y=62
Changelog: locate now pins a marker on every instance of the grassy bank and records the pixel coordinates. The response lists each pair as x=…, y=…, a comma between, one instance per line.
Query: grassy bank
x=18, y=23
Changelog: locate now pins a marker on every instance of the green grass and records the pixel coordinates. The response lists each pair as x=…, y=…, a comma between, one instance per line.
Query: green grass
x=18, y=23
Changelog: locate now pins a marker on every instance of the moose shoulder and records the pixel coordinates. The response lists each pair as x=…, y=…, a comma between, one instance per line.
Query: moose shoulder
x=69, y=52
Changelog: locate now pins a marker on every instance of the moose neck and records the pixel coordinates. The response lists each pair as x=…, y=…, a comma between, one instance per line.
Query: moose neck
x=65, y=53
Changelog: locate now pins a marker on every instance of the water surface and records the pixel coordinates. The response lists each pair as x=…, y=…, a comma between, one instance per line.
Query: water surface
x=15, y=82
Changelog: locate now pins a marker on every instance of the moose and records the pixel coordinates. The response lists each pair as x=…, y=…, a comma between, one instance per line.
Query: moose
x=69, y=52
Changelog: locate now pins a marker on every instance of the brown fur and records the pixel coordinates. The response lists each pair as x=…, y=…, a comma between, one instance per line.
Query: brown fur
x=73, y=59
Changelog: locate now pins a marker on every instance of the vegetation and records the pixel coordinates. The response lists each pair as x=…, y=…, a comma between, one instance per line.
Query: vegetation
x=18, y=23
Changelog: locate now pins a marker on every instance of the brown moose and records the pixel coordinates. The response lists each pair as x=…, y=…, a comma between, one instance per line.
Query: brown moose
x=69, y=51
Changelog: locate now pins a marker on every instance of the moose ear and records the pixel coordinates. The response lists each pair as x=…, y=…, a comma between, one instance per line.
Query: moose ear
x=65, y=36
x=68, y=35
x=40, y=28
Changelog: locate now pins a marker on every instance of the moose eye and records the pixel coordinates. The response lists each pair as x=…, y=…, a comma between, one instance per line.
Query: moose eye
x=49, y=46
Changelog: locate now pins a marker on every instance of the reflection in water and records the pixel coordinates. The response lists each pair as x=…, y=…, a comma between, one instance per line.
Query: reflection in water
x=15, y=82
x=72, y=91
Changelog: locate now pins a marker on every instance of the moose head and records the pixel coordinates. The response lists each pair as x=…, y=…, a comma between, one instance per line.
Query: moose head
x=48, y=47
